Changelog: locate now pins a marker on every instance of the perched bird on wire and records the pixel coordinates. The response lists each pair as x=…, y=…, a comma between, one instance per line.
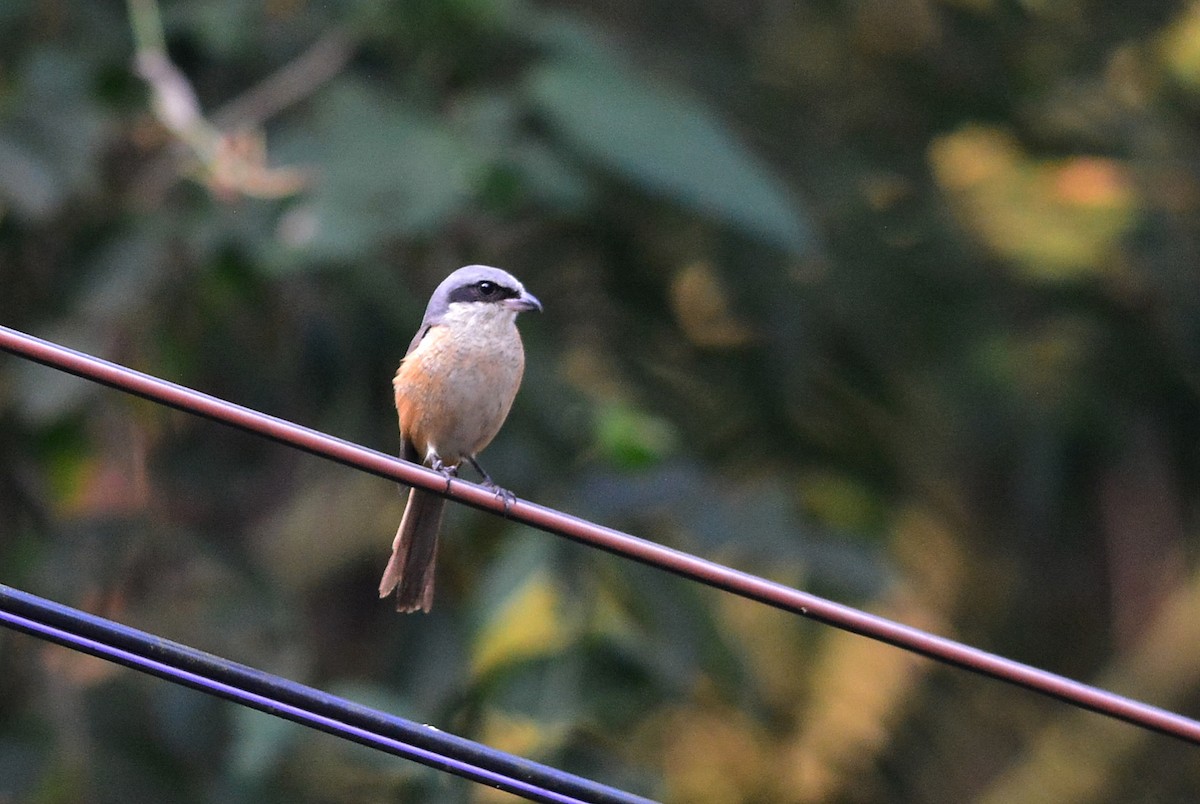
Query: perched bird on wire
x=453, y=389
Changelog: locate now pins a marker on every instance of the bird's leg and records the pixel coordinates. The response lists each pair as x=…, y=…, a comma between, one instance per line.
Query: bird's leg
x=448, y=472
x=502, y=494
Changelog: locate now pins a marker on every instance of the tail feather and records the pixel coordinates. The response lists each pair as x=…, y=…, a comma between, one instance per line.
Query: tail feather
x=410, y=571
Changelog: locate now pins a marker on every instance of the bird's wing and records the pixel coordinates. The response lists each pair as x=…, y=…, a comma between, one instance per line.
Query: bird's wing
x=424, y=329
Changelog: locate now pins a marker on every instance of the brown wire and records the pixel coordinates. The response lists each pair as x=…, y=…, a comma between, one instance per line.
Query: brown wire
x=623, y=544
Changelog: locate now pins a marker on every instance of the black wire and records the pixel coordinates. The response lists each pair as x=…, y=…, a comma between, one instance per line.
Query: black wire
x=311, y=707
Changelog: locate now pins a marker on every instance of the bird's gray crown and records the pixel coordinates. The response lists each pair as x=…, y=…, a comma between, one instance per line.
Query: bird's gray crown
x=473, y=283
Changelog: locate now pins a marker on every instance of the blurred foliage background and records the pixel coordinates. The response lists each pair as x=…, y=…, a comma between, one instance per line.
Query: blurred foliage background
x=893, y=300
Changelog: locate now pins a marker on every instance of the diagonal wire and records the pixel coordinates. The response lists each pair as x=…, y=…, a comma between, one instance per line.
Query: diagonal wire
x=684, y=564
x=277, y=696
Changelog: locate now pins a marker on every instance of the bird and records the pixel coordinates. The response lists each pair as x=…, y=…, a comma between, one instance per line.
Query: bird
x=453, y=391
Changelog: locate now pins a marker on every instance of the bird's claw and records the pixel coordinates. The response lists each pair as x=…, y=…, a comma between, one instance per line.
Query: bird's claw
x=502, y=494
x=448, y=472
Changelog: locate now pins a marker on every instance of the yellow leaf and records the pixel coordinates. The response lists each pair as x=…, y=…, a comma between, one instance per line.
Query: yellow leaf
x=1180, y=47
x=1055, y=220
x=701, y=306
x=526, y=626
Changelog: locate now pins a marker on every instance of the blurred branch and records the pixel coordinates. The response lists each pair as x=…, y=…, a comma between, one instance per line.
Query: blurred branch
x=290, y=84
x=147, y=26
x=230, y=149
x=174, y=101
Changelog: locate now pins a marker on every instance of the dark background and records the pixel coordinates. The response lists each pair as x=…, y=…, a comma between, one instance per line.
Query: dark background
x=895, y=301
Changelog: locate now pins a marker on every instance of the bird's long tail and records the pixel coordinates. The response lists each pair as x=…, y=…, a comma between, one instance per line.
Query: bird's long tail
x=410, y=571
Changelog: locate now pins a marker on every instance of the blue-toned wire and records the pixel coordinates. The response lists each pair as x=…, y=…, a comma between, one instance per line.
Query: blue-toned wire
x=274, y=695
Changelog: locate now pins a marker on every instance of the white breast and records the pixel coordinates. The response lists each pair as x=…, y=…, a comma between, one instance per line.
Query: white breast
x=462, y=379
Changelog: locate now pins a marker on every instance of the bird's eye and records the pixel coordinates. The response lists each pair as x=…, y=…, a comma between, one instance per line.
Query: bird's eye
x=487, y=289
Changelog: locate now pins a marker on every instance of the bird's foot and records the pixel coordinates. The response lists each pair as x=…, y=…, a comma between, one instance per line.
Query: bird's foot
x=502, y=494
x=448, y=472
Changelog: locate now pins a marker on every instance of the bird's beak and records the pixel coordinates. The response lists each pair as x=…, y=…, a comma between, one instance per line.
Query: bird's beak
x=524, y=303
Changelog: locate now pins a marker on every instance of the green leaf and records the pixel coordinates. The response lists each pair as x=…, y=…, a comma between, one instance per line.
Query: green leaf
x=28, y=184
x=226, y=28
x=668, y=144
x=631, y=438
x=547, y=177
x=260, y=742
x=383, y=170
x=51, y=142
